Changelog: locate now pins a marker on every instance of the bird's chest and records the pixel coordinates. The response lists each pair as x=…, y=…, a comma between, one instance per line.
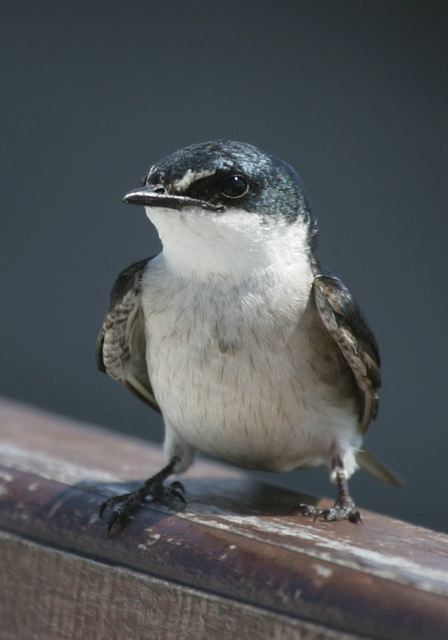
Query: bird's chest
x=229, y=365
x=205, y=335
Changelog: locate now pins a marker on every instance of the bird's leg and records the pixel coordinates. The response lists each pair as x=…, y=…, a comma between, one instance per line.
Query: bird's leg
x=124, y=505
x=344, y=508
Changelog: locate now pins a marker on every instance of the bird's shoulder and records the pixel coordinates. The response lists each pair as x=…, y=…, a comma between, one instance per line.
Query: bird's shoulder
x=129, y=279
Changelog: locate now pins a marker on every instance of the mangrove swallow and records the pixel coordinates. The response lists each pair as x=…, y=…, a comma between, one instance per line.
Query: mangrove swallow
x=234, y=333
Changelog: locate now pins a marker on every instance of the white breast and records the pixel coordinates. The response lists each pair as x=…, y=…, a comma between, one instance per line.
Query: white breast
x=238, y=364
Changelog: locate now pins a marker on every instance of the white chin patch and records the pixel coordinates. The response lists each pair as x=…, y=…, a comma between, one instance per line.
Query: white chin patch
x=181, y=185
x=234, y=243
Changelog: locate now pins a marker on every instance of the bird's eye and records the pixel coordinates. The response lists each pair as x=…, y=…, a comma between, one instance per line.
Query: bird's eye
x=234, y=187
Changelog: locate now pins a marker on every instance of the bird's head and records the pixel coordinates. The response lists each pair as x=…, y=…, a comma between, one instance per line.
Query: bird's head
x=224, y=197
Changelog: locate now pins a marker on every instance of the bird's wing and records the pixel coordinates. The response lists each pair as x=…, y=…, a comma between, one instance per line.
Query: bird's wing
x=344, y=321
x=121, y=343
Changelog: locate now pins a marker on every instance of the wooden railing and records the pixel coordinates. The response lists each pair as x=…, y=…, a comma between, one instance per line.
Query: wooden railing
x=234, y=564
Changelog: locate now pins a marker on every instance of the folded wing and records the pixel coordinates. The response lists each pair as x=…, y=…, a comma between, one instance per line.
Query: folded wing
x=344, y=321
x=121, y=343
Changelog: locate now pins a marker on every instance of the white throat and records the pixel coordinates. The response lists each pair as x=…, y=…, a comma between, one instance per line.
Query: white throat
x=234, y=244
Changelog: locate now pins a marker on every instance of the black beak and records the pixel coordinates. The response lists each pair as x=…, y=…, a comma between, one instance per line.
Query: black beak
x=157, y=197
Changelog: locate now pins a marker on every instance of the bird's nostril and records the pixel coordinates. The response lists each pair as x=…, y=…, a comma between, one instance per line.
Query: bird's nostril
x=159, y=190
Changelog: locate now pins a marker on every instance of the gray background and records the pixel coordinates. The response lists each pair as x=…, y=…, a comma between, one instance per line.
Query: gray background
x=354, y=94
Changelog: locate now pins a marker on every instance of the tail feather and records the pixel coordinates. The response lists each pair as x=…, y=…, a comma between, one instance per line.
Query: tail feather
x=370, y=463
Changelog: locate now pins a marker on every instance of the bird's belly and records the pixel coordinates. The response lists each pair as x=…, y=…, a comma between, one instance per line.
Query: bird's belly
x=250, y=405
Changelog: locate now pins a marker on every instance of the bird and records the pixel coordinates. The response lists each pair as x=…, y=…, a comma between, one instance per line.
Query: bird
x=251, y=351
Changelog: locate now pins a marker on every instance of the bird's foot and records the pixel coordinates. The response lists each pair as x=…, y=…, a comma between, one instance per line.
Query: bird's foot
x=338, y=512
x=125, y=505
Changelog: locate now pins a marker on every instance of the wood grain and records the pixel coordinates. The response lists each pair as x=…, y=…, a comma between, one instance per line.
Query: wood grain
x=235, y=554
x=56, y=595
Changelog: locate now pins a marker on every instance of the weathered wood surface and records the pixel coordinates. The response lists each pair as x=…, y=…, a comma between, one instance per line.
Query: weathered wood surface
x=235, y=562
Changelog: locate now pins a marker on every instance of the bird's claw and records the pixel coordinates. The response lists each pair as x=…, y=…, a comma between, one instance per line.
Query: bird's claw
x=130, y=502
x=110, y=502
x=338, y=512
x=177, y=490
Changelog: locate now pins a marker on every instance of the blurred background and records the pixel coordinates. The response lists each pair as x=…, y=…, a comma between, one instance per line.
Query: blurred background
x=352, y=93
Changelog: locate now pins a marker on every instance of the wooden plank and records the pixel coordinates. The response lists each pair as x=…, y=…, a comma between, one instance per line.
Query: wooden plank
x=50, y=594
x=236, y=539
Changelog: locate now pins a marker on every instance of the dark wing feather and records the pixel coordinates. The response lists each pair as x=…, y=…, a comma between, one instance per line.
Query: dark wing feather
x=121, y=343
x=344, y=321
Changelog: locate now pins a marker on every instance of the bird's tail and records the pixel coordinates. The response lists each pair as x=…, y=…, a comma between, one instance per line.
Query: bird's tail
x=370, y=463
